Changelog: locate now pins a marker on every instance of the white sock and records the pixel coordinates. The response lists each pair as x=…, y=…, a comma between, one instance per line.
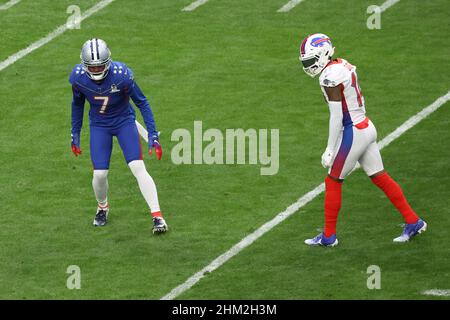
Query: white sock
x=146, y=184
x=100, y=185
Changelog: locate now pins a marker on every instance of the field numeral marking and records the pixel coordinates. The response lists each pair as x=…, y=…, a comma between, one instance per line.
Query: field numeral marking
x=74, y=20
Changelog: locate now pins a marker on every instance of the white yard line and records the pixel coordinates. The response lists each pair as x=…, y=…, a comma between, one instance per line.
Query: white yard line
x=311, y=195
x=386, y=5
x=411, y=122
x=9, y=4
x=293, y=3
x=437, y=293
x=52, y=35
x=289, y=6
x=194, y=5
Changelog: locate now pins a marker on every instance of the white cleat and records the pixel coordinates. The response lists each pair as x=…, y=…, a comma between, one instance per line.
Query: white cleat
x=159, y=225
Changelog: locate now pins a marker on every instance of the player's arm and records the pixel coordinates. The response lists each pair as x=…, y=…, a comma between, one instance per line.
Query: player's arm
x=142, y=104
x=77, y=118
x=335, y=125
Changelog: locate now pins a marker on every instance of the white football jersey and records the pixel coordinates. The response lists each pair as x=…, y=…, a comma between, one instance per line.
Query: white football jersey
x=341, y=73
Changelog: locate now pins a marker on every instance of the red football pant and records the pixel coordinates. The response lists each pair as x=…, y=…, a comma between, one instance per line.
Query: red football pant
x=333, y=202
x=395, y=194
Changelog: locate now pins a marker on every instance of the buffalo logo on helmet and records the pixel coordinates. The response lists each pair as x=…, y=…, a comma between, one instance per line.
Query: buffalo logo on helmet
x=318, y=42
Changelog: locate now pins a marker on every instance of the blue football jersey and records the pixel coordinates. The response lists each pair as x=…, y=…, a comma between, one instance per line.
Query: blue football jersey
x=109, y=99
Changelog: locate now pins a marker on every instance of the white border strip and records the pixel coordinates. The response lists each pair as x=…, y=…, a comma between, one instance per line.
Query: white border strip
x=388, y=4
x=248, y=240
x=52, y=35
x=9, y=4
x=437, y=293
x=289, y=6
x=194, y=5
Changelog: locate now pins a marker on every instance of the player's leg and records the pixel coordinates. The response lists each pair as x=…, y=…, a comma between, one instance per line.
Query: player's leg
x=372, y=164
x=352, y=144
x=350, y=150
x=101, y=147
x=129, y=141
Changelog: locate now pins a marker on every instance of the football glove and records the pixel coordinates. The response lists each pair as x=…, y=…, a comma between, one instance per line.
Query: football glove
x=327, y=158
x=153, y=142
x=76, y=144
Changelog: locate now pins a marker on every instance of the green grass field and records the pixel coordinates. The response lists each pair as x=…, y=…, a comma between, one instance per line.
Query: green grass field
x=230, y=64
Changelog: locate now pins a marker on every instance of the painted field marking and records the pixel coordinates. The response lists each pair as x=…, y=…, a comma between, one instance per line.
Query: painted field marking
x=9, y=4
x=52, y=35
x=293, y=3
x=289, y=6
x=302, y=201
x=437, y=293
x=386, y=5
x=194, y=5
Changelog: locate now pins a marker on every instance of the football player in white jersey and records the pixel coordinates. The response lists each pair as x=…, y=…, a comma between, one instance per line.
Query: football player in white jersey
x=352, y=138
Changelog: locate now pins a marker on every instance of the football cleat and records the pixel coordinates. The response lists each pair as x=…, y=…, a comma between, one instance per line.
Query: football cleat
x=159, y=225
x=321, y=240
x=101, y=217
x=412, y=229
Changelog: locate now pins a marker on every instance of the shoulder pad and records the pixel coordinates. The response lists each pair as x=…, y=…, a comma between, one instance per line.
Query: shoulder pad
x=333, y=75
x=76, y=73
x=120, y=70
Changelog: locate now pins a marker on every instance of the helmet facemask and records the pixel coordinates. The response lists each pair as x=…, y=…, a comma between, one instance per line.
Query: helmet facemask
x=97, y=75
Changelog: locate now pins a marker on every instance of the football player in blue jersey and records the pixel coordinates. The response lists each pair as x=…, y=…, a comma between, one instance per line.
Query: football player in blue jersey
x=108, y=86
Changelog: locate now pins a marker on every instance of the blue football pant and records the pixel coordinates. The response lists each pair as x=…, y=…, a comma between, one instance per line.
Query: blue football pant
x=101, y=144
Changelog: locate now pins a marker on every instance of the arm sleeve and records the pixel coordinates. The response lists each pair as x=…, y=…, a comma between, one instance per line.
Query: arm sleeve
x=141, y=102
x=335, y=125
x=77, y=110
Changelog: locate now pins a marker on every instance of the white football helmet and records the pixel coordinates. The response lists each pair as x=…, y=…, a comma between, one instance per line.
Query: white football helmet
x=96, y=58
x=316, y=51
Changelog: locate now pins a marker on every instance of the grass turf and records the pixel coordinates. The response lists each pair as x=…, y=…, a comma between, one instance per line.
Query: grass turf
x=232, y=65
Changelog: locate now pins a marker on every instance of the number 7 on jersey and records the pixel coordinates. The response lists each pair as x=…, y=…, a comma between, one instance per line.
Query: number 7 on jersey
x=104, y=105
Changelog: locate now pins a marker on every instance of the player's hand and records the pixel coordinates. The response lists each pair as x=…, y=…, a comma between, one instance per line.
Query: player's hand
x=154, y=143
x=76, y=144
x=327, y=158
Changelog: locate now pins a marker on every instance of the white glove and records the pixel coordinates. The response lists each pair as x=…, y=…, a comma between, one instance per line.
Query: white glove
x=327, y=158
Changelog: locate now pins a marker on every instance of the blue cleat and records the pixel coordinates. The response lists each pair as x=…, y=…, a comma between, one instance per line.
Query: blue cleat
x=101, y=217
x=321, y=240
x=411, y=230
